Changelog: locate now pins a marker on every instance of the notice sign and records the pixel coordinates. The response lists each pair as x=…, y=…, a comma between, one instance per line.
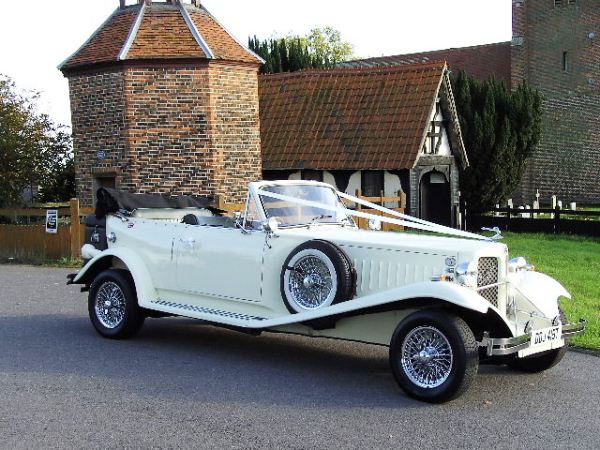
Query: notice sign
x=52, y=221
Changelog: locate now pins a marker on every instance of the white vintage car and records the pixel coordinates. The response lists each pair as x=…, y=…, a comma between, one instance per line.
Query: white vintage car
x=294, y=261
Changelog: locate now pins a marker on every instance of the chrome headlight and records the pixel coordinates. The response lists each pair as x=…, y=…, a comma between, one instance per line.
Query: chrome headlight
x=518, y=264
x=466, y=274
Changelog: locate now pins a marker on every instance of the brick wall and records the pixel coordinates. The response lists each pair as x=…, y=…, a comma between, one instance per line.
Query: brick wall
x=97, y=105
x=567, y=162
x=236, y=129
x=167, y=114
x=178, y=130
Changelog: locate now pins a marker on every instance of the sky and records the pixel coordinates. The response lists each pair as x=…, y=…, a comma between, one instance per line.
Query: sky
x=35, y=37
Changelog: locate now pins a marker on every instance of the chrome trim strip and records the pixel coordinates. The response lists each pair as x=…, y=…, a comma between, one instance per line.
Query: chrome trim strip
x=132, y=33
x=197, y=36
x=571, y=329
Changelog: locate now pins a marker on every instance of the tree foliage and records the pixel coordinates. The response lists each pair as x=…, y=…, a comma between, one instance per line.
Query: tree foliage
x=33, y=149
x=501, y=130
x=322, y=48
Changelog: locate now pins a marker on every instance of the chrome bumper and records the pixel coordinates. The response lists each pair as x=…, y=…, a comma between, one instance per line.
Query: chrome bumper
x=508, y=346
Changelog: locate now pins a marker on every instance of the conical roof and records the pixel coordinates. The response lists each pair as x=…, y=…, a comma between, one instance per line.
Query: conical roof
x=159, y=31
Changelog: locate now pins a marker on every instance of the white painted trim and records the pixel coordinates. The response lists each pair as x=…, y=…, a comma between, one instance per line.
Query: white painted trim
x=455, y=120
x=61, y=65
x=233, y=37
x=192, y=26
x=431, y=109
x=132, y=33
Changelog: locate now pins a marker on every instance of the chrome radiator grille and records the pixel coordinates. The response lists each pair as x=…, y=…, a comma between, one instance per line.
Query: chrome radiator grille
x=487, y=273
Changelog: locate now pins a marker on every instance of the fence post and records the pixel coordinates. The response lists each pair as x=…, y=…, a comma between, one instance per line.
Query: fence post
x=402, y=204
x=359, y=208
x=75, y=228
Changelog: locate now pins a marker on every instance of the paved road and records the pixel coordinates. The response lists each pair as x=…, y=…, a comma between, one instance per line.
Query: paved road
x=187, y=385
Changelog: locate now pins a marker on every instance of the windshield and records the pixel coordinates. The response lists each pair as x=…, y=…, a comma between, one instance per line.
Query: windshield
x=291, y=214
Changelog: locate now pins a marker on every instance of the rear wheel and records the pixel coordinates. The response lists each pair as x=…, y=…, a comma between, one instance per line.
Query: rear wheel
x=113, y=306
x=433, y=355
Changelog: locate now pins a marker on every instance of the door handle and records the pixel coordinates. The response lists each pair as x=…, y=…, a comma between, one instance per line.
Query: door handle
x=188, y=243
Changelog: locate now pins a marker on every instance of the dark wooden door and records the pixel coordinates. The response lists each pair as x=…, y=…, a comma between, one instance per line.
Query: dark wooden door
x=435, y=205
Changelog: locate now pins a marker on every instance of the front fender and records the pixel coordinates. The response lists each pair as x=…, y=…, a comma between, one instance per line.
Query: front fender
x=124, y=257
x=541, y=290
x=445, y=291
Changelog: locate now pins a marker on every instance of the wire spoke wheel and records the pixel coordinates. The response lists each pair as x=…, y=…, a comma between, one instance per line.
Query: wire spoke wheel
x=311, y=281
x=427, y=357
x=110, y=305
x=316, y=274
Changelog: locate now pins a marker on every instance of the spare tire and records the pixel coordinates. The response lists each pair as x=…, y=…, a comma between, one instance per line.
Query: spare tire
x=315, y=275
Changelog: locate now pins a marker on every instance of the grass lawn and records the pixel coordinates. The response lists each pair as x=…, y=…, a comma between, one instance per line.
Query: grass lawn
x=575, y=262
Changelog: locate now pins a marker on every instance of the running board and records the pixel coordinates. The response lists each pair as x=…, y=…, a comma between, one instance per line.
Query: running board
x=206, y=313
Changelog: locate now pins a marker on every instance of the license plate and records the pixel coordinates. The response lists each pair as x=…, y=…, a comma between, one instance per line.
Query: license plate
x=545, y=335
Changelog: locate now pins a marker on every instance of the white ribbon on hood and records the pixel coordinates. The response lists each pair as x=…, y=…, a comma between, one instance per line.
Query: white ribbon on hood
x=408, y=221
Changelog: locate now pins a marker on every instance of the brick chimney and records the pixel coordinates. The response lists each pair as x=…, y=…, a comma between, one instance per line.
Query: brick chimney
x=164, y=100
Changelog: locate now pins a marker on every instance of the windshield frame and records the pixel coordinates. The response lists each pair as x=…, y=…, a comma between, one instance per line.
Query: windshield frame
x=256, y=187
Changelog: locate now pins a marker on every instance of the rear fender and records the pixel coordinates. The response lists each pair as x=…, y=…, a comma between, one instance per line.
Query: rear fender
x=120, y=259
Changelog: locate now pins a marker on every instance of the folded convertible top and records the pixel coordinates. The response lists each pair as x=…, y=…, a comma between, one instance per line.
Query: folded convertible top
x=112, y=200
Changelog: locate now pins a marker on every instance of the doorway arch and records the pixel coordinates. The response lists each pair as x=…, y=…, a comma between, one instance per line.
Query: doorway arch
x=434, y=198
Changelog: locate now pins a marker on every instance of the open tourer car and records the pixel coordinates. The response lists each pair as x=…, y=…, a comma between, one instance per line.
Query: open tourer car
x=294, y=261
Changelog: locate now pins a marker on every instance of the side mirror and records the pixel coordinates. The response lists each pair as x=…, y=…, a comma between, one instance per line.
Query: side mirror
x=239, y=222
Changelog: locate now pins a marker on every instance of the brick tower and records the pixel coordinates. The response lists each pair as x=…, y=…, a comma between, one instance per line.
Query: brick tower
x=556, y=48
x=164, y=100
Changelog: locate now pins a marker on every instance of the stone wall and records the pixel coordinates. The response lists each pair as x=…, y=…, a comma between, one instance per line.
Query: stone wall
x=567, y=162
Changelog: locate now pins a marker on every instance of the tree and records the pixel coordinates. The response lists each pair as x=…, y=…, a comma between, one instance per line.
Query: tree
x=327, y=45
x=501, y=130
x=32, y=147
x=322, y=48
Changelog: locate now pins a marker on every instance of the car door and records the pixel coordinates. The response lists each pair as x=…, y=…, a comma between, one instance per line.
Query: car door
x=220, y=262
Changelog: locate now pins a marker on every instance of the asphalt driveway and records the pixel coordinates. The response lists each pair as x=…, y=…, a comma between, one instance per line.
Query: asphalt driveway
x=181, y=384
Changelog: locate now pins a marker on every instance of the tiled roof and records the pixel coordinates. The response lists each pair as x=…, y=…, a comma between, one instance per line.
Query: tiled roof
x=159, y=31
x=352, y=119
x=480, y=61
x=106, y=44
x=163, y=33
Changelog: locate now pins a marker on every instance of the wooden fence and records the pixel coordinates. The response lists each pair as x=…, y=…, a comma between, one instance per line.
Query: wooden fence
x=380, y=200
x=553, y=221
x=30, y=242
x=27, y=242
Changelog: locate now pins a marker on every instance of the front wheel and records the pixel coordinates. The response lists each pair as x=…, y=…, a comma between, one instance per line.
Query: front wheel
x=538, y=362
x=433, y=355
x=113, y=306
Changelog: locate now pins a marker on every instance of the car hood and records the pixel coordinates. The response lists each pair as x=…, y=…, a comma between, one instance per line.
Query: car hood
x=438, y=245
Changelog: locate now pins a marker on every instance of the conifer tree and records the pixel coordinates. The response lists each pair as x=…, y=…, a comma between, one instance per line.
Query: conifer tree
x=501, y=130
